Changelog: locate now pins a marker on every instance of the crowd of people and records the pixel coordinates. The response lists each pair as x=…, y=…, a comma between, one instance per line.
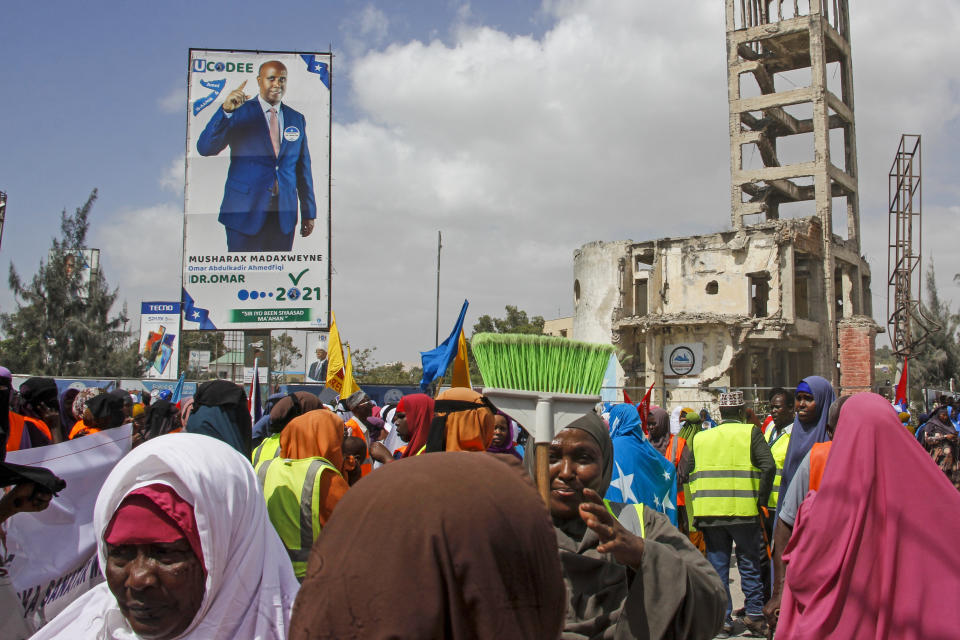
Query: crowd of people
x=342, y=521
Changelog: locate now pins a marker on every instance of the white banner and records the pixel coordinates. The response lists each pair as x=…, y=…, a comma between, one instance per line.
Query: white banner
x=159, y=342
x=51, y=556
x=256, y=209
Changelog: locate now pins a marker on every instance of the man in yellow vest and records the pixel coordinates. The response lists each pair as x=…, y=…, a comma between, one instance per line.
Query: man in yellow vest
x=731, y=473
x=778, y=435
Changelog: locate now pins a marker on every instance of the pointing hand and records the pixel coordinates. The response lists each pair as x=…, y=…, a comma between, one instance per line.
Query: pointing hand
x=236, y=98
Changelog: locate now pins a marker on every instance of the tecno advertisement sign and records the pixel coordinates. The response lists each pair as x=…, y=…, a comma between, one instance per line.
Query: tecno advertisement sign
x=159, y=339
x=682, y=360
x=256, y=204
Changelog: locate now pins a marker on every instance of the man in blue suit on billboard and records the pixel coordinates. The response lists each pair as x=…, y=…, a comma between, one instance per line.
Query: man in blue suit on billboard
x=269, y=165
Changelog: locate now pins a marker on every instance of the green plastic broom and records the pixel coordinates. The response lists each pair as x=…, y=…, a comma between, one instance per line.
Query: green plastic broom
x=541, y=380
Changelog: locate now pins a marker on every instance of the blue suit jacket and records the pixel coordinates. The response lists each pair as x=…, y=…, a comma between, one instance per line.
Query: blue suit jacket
x=254, y=168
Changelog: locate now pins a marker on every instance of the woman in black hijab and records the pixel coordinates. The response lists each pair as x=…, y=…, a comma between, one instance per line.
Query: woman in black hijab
x=629, y=572
x=220, y=411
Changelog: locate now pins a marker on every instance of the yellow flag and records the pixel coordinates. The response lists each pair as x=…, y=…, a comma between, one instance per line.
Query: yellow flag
x=335, y=365
x=461, y=366
x=350, y=385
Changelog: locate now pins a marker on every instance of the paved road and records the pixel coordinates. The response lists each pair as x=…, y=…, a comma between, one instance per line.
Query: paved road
x=736, y=594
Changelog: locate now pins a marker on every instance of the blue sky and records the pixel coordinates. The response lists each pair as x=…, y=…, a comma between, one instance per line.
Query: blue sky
x=522, y=129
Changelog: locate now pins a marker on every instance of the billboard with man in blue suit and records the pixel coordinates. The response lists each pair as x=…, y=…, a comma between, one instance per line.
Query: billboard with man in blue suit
x=256, y=198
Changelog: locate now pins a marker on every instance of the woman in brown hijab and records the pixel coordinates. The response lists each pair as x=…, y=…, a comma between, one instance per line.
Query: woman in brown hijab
x=658, y=425
x=473, y=556
x=629, y=572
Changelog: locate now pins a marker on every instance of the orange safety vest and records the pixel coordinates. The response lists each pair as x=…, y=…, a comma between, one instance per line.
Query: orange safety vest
x=78, y=426
x=818, y=462
x=79, y=429
x=675, y=459
x=17, y=423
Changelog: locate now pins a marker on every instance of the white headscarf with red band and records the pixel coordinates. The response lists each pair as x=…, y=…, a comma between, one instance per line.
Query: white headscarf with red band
x=250, y=585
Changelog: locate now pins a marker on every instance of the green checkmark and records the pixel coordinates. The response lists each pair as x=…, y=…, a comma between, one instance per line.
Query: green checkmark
x=297, y=279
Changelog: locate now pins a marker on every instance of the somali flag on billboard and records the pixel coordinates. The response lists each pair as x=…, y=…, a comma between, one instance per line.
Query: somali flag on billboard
x=436, y=361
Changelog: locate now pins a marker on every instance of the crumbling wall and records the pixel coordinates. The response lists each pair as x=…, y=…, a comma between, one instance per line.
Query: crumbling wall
x=712, y=273
x=596, y=289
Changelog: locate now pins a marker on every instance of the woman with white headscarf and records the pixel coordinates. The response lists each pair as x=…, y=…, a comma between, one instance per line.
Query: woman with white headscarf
x=187, y=549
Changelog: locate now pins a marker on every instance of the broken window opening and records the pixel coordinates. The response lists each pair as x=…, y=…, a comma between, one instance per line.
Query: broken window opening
x=640, y=298
x=759, y=294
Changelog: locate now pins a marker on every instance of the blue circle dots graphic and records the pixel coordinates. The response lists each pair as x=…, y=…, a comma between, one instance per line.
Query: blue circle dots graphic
x=293, y=293
x=263, y=294
x=271, y=294
x=243, y=294
x=254, y=295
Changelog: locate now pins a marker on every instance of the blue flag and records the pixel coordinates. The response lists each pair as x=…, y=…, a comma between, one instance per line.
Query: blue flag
x=436, y=361
x=320, y=68
x=178, y=390
x=640, y=474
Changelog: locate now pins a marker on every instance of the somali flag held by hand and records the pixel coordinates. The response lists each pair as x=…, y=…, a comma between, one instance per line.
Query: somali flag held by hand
x=640, y=474
x=436, y=361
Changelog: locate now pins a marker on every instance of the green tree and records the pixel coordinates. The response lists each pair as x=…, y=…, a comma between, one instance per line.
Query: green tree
x=938, y=358
x=62, y=325
x=515, y=321
x=366, y=370
x=283, y=354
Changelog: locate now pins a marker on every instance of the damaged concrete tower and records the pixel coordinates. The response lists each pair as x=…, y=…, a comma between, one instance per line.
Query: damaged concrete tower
x=785, y=293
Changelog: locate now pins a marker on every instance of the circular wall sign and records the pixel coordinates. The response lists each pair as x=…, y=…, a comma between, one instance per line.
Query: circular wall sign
x=682, y=361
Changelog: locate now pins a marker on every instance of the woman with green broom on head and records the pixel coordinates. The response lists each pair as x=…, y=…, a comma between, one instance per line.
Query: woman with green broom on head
x=629, y=572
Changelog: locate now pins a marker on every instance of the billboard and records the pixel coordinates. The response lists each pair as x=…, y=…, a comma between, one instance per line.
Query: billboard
x=256, y=199
x=159, y=334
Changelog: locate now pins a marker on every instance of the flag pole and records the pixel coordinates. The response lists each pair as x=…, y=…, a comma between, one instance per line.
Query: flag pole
x=436, y=336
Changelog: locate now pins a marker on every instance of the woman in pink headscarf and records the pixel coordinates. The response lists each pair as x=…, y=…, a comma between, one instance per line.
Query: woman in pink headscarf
x=861, y=557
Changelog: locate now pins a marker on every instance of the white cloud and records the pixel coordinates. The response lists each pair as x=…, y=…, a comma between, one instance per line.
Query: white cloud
x=174, y=101
x=172, y=178
x=364, y=29
x=613, y=125
x=141, y=250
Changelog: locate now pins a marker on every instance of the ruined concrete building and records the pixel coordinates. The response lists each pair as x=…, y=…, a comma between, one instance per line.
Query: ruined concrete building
x=785, y=293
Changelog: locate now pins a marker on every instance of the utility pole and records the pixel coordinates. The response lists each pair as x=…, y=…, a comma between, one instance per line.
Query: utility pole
x=3, y=212
x=437, y=325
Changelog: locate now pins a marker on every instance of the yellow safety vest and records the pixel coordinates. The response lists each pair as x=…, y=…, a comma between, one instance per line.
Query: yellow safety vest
x=639, y=507
x=724, y=481
x=779, y=451
x=269, y=448
x=292, y=491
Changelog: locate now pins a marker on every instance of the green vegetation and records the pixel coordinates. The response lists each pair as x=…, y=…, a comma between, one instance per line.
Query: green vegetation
x=63, y=324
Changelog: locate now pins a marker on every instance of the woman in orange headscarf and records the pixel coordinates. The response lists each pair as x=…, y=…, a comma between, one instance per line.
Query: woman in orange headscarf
x=319, y=434
x=463, y=421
